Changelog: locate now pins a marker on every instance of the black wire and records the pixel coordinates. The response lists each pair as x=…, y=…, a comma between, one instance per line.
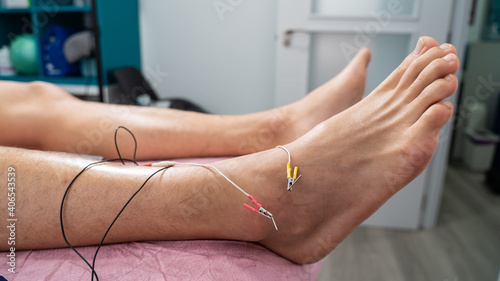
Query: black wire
x=116, y=143
x=61, y=212
x=124, y=206
x=61, y=218
x=92, y=267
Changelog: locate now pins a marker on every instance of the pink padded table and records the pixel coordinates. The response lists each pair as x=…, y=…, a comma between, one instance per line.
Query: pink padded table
x=162, y=260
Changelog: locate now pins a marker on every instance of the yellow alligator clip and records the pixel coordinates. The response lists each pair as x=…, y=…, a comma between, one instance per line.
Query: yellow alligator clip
x=294, y=179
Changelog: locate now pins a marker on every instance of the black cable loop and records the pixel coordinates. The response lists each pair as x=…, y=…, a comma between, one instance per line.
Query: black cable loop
x=92, y=266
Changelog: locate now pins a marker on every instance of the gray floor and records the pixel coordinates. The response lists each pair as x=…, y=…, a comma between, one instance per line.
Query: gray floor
x=464, y=246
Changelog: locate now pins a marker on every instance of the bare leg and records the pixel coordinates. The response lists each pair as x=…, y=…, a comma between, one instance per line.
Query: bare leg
x=43, y=116
x=350, y=165
x=173, y=206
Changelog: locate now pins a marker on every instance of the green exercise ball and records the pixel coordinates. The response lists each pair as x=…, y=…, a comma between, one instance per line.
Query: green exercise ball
x=24, y=55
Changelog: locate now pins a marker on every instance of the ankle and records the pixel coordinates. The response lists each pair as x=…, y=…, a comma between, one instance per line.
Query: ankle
x=267, y=129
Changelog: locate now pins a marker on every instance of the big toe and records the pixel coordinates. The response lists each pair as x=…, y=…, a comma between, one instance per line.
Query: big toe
x=353, y=76
x=358, y=65
x=362, y=58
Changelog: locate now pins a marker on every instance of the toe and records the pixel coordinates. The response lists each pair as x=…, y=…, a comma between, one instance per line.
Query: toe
x=435, y=92
x=416, y=68
x=423, y=140
x=359, y=62
x=362, y=58
x=434, y=119
x=437, y=69
x=423, y=46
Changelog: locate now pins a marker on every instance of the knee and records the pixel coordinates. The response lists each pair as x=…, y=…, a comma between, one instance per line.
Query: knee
x=38, y=87
x=45, y=91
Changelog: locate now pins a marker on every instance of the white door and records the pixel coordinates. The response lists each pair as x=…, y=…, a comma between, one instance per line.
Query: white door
x=317, y=38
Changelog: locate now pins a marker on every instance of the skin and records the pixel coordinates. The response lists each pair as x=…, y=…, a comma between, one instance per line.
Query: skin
x=42, y=116
x=350, y=164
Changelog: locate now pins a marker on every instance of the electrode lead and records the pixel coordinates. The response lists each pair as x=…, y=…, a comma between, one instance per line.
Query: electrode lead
x=291, y=179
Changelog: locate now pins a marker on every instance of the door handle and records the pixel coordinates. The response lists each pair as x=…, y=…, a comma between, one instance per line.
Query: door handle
x=287, y=35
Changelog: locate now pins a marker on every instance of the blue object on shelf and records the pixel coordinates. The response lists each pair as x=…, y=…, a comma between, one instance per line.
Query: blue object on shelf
x=53, y=59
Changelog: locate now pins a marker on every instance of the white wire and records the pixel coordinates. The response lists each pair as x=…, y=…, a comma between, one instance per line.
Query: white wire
x=288, y=152
x=172, y=163
x=212, y=167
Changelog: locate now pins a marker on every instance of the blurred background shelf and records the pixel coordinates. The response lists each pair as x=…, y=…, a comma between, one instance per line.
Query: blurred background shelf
x=63, y=9
x=90, y=81
x=118, y=29
x=12, y=10
x=47, y=9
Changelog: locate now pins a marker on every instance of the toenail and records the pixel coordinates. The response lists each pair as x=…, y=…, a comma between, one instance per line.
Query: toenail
x=447, y=104
x=450, y=57
x=445, y=46
x=448, y=77
x=420, y=46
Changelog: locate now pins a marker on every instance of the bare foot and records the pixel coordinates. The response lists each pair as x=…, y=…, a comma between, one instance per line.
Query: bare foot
x=336, y=95
x=333, y=97
x=355, y=161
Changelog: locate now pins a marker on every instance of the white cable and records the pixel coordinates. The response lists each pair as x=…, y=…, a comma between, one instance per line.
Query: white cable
x=212, y=167
x=261, y=210
x=288, y=152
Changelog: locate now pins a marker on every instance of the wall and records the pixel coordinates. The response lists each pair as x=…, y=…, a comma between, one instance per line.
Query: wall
x=218, y=53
